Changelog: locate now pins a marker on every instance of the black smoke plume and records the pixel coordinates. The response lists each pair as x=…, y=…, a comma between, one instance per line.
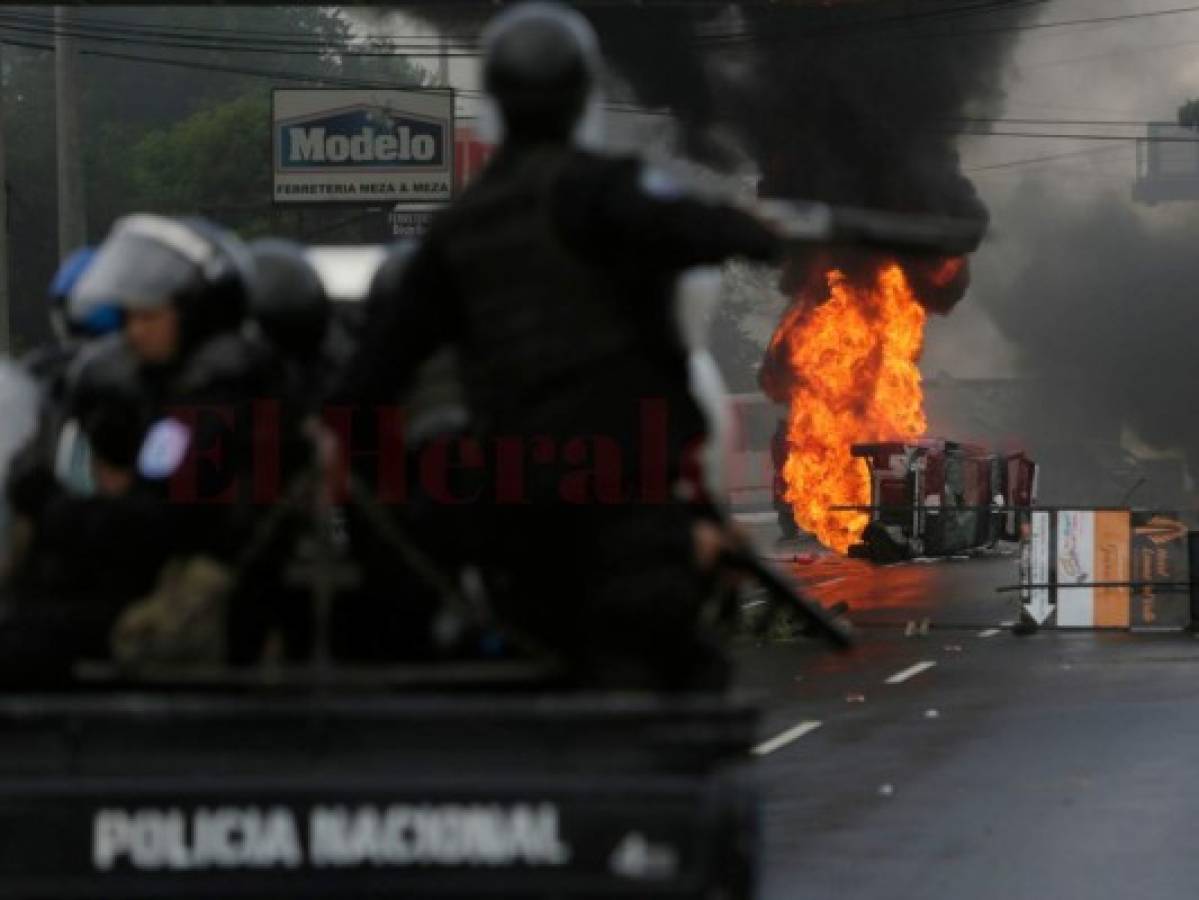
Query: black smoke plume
x=851, y=102
x=857, y=103
x=1103, y=315
x=861, y=104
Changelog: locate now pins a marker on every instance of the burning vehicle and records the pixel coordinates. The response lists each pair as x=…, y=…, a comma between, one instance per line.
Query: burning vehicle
x=934, y=497
x=844, y=360
x=928, y=497
x=852, y=461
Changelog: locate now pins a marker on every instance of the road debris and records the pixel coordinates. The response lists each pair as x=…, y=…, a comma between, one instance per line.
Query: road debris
x=914, y=628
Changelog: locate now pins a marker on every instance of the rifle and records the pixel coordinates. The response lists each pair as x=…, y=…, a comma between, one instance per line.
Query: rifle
x=804, y=223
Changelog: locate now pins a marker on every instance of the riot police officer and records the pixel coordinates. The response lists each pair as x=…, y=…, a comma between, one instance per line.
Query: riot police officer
x=221, y=419
x=57, y=365
x=76, y=546
x=551, y=276
x=289, y=307
x=83, y=542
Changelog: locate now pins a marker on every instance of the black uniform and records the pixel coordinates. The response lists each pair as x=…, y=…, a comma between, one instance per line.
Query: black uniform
x=77, y=559
x=239, y=398
x=197, y=447
x=553, y=276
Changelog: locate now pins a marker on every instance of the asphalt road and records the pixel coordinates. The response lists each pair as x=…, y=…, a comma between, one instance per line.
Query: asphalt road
x=966, y=762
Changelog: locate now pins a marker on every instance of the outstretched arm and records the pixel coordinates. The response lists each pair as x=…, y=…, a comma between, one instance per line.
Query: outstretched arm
x=622, y=212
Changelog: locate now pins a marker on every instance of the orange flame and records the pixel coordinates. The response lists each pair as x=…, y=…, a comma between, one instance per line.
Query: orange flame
x=948, y=270
x=853, y=347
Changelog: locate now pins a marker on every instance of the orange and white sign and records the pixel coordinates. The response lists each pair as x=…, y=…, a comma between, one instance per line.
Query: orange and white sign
x=1092, y=548
x=1112, y=551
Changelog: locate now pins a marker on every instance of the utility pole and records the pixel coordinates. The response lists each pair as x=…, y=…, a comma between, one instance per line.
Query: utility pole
x=444, y=59
x=72, y=221
x=5, y=334
x=443, y=66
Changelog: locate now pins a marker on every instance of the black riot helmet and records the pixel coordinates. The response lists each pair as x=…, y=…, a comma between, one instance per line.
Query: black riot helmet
x=287, y=298
x=105, y=398
x=148, y=261
x=541, y=67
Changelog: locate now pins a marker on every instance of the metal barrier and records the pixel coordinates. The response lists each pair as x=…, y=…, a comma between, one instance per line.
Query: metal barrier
x=1104, y=567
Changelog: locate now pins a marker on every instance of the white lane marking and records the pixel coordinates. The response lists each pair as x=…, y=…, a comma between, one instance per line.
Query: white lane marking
x=910, y=671
x=1006, y=624
x=752, y=603
x=790, y=736
x=990, y=632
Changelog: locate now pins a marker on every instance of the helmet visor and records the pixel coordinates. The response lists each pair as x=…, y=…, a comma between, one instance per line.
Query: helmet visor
x=146, y=262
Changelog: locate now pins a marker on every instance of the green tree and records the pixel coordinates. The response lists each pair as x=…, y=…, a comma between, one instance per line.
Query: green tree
x=215, y=161
x=185, y=134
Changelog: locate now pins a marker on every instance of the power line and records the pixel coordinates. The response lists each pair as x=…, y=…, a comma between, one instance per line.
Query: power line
x=1012, y=120
x=322, y=51
x=1000, y=29
x=294, y=77
x=315, y=78
x=960, y=11
x=1055, y=136
x=235, y=40
x=996, y=29
x=1028, y=161
x=213, y=31
x=1057, y=174
x=853, y=27
x=1107, y=54
x=1064, y=23
x=250, y=41
x=348, y=81
x=1071, y=107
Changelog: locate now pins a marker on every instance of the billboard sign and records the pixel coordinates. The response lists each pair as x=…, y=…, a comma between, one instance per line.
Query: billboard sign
x=363, y=146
